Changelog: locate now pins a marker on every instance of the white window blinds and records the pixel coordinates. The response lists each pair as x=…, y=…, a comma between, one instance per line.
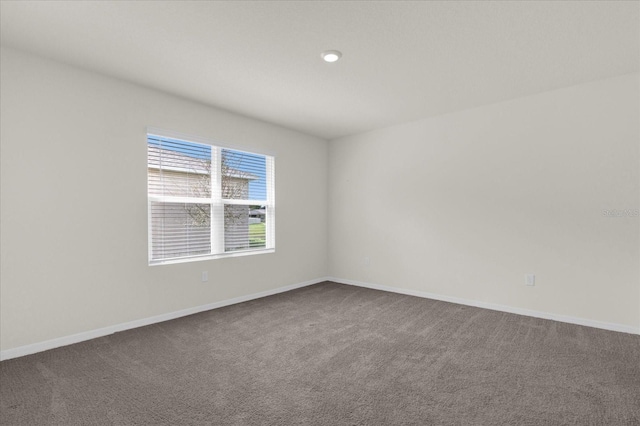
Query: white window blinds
x=207, y=201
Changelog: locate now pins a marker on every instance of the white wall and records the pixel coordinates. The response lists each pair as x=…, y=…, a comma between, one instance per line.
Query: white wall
x=74, y=209
x=463, y=205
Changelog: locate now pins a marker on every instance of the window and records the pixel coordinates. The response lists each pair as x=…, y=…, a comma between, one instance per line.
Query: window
x=207, y=201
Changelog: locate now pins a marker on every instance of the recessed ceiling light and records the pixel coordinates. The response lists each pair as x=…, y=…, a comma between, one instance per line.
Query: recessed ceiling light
x=331, y=55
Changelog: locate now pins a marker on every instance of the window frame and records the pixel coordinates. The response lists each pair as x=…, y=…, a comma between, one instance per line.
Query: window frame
x=217, y=203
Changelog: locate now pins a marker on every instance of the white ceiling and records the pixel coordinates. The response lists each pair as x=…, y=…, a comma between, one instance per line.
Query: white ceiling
x=401, y=60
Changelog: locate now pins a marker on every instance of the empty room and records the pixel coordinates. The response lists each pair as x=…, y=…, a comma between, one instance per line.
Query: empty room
x=319, y=213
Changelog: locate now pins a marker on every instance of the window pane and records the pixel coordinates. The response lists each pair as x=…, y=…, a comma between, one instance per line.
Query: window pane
x=244, y=175
x=244, y=227
x=178, y=168
x=180, y=229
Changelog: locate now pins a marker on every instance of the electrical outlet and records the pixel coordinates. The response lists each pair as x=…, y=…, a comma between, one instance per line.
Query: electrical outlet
x=530, y=279
x=366, y=261
x=205, y=276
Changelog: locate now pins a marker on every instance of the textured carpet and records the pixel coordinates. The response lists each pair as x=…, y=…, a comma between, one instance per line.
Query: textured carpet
x=332, y=354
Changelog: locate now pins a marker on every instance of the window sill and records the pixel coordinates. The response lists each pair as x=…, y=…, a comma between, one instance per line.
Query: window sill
x=210, y=257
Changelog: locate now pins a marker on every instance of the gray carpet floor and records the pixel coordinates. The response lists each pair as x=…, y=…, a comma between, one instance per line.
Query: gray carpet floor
x=331, y=354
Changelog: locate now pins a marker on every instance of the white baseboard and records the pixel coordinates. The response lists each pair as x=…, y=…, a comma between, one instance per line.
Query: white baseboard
x=92, y=334
x=495, y=307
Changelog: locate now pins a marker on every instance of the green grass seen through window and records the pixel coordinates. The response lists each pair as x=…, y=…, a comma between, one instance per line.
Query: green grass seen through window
x=257, y=235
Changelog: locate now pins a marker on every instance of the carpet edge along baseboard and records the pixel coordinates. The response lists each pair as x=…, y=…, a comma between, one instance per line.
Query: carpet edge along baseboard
x=93, y=334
